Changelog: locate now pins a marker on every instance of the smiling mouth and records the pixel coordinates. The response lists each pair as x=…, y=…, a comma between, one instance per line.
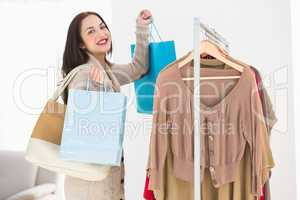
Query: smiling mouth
x=102, y=42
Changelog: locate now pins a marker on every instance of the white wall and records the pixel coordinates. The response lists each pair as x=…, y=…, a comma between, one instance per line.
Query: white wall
x=259, y=34
x=296, y=63
x=32, y=38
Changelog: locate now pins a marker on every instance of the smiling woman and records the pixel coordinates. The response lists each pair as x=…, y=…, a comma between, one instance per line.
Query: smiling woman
x=81, y=39
x=96, y=36
x=89, y=41
x=32, y=28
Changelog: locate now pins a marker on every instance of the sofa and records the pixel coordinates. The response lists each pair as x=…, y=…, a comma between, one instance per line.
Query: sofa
x=20, y=180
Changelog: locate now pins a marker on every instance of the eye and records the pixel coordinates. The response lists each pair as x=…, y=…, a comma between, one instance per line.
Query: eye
x=102, y=27
x=91, y=31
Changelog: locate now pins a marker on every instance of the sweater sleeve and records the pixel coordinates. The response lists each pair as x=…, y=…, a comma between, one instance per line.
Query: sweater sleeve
x=132, y=71
x=268, y=111
x=270, y=115
x=158, y=138
x=256, y=135
x=270, y=120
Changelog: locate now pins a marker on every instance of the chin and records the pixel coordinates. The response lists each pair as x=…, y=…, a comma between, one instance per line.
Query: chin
x=100, y=51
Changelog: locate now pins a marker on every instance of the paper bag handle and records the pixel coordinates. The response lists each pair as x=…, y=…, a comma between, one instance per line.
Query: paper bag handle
x=66, y=81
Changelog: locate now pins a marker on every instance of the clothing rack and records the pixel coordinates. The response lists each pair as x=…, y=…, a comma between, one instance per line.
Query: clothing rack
x=219, y=40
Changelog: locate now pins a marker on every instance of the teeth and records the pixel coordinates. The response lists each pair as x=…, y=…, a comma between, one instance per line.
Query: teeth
x=102, y=41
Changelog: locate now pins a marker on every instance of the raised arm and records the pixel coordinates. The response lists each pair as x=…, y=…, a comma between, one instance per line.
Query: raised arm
x=127, y=73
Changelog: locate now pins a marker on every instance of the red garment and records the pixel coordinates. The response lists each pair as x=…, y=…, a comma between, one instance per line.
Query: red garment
x=148, y=194
x=262, y=197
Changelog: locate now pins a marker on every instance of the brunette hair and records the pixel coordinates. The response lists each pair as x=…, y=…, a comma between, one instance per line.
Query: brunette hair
x=74, y=55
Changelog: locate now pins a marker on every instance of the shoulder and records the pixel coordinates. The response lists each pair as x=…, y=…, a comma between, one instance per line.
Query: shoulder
x=168, y=74
x=167, y=81
x=250, y=76
x=79, y=81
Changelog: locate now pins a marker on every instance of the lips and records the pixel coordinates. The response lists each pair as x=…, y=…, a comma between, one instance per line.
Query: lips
x=102, y=41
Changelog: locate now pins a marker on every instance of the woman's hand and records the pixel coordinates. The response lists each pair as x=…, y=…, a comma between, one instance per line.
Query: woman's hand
x=96, y=75
x=144, y=17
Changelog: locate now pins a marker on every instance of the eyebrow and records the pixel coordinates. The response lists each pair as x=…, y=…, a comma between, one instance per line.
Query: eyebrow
x=91, y=27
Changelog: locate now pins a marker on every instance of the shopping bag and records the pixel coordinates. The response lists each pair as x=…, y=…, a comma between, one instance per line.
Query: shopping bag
x=94, y=125
x=161, y=54
x=44, y=144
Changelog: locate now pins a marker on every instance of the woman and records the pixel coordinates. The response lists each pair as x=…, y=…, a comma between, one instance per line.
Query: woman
x=89, y=41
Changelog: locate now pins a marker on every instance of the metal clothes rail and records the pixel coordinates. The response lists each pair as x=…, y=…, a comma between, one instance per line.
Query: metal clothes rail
x=209, y=34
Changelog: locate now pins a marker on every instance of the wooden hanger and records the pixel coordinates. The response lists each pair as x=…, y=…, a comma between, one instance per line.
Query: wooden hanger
x=208, y=48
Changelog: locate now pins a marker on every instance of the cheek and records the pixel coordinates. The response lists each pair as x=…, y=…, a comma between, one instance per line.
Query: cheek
x=109, y=35
x=89, y=41
x=110, y=39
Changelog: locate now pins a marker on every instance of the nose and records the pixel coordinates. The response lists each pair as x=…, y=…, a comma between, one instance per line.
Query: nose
x=100, y=34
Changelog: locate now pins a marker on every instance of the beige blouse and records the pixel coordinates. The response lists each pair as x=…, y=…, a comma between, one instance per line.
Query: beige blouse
x=230, y=121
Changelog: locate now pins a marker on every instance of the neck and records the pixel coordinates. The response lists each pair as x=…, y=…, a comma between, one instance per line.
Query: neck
x=100, y=58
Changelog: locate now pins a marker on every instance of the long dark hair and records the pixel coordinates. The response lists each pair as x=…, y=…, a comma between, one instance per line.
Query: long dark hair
x=74, y=55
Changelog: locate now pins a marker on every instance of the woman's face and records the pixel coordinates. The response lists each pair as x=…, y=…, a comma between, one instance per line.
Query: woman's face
x=95, y=36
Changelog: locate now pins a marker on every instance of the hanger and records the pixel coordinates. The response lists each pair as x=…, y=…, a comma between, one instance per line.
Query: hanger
x=209, y=48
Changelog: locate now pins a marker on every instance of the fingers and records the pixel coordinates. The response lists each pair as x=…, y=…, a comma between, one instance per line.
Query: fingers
x=145, y=14
x=144, y=17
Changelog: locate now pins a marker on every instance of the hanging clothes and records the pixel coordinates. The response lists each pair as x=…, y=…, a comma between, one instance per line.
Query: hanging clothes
x=240, y=108
x=270, y=117
x=176, y=189
x=270, y=120
x=148, y=194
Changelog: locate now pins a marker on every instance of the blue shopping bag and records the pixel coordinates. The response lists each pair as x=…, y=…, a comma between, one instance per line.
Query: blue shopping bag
x=160, y=54
x=93, y=129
